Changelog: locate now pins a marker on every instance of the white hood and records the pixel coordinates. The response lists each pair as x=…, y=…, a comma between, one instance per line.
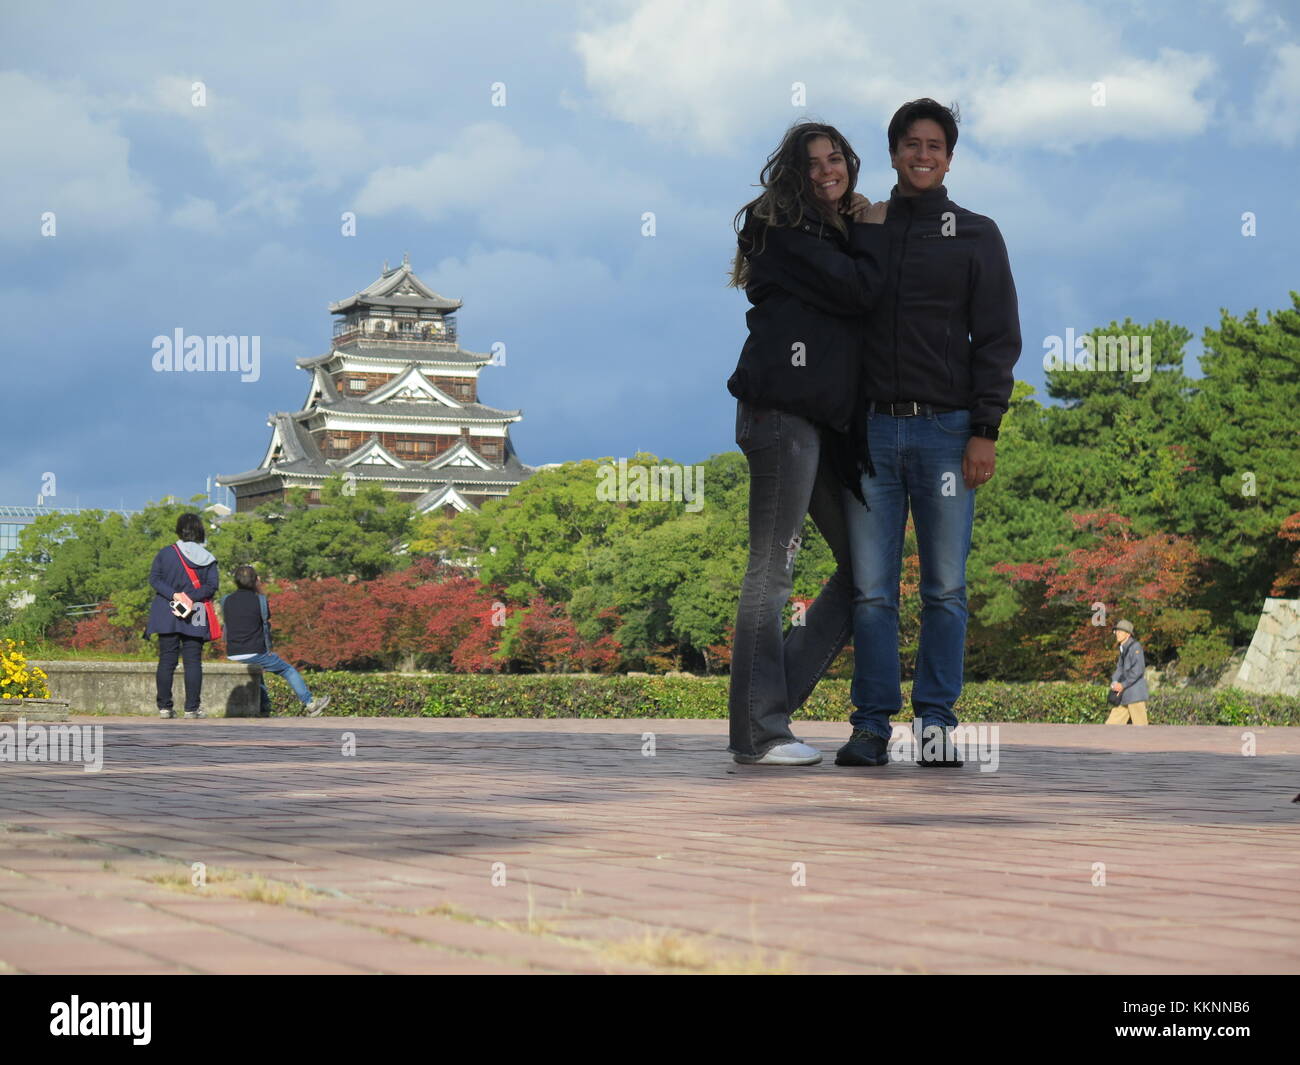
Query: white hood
x=197, y=554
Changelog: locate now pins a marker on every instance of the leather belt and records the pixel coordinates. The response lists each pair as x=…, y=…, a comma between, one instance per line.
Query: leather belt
x=909, y=409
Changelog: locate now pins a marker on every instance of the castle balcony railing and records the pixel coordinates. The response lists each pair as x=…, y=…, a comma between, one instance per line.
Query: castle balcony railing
x=419, y=333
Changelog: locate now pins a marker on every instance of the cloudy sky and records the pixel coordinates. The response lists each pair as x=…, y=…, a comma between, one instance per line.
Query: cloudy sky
x=227, y=218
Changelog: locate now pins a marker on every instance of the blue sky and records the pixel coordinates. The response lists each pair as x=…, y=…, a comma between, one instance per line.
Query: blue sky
x=226, y=218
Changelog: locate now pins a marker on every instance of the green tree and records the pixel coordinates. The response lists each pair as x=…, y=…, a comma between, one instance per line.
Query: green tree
x=1243, y=452
x=66, y=560
x=352, y=533
x=544, y=537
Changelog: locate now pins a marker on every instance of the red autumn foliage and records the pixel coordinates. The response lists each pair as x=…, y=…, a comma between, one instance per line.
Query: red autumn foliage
x=717, y=656
x=1148, y=580
x=429, y=616
x=98, y=633
x=414, y=598
x=463, y=626
x=1288, y=580
x=328, y=624
x=605, y=653
x=544, y=639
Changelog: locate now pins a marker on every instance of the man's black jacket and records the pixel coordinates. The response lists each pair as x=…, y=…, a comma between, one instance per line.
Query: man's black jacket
x=947, y=328
x=810, y=287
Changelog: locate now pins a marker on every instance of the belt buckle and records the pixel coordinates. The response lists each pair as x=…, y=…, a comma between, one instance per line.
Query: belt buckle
x=916, y=409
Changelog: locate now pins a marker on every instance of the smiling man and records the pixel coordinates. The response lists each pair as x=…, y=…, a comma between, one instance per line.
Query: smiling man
x=937, y=377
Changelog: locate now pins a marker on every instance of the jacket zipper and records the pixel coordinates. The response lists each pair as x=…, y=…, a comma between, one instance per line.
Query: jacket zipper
x=898, y=289
x=947, y=362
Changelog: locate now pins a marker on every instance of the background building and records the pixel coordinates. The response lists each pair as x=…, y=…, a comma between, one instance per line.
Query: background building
x=393, y=402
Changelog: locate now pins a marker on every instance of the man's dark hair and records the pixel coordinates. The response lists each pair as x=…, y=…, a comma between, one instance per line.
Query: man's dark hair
x=915, y=111
x=246, y=578
x=189, y=527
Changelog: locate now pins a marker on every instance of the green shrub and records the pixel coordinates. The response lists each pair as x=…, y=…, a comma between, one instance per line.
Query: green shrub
x=587, y=696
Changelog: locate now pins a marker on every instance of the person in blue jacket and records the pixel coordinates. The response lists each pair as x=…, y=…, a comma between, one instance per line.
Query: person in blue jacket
x=248, y=640
x=182, y=637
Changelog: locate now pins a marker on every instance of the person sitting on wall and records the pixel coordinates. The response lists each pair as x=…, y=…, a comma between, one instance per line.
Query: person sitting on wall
x=248, y=640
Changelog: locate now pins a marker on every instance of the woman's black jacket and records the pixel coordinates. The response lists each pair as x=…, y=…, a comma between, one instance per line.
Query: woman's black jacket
x=811, y=288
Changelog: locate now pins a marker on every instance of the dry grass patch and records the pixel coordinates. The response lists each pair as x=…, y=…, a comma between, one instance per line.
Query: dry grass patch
x=221, y=883
x=676, y=950
x=446, y=909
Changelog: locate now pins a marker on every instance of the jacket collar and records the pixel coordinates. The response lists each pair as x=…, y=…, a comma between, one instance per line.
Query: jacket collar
x=929, y=204
x=814, y=218
x=809, y=218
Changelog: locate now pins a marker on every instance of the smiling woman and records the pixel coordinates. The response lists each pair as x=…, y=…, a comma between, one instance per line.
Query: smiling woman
x=811, y=269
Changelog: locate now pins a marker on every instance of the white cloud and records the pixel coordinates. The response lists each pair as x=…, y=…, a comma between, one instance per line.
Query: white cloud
x=711, y=71
x=510, y=287
x=1138, y=100
x=1259, y=25
x=1121, y=207
x=524, y=194
x=1277, y=107
x=480, y=169
x=64, y=156
x=197, y=214
x=273, y=147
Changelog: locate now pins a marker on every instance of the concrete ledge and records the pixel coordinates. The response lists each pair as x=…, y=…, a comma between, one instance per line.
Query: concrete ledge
x=230, y=689
x=33, y=710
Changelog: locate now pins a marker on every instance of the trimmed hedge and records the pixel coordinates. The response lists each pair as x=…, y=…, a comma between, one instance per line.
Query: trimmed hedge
x=588, y=696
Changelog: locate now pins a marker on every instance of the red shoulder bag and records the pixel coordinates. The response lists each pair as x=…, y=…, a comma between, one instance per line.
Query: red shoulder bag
x=214, y=625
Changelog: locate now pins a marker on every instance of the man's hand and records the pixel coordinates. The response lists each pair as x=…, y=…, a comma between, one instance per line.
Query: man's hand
x=1117, y=687
x=861, y=209
x=978, y=462
x=857, y=206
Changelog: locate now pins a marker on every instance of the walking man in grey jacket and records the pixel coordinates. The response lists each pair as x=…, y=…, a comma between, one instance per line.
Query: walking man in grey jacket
x=1129, y=678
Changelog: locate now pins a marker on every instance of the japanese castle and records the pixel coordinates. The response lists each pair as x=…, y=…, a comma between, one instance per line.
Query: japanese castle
x=393, y=402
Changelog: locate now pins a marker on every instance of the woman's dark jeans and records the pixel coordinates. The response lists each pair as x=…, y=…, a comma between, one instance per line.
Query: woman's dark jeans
x=173, y=646
x=771, y=675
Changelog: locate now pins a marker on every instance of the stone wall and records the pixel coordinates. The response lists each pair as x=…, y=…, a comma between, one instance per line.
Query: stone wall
x=1272, y=663
x=229, y=688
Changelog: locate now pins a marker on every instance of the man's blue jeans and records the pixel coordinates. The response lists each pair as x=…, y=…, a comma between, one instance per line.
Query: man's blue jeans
x=272, y=663
x=918, y=465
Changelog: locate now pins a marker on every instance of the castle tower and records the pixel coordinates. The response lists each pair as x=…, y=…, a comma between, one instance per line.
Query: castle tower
x=394, y=402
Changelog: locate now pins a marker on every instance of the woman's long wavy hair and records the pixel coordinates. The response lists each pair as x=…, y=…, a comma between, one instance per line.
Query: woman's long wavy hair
x=787, y=192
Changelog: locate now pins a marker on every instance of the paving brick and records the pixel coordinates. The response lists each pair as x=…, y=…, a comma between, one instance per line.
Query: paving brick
x=905, y=871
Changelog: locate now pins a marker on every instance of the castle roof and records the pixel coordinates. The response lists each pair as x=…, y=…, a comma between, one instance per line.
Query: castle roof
x=426, y=354
x=398, y=287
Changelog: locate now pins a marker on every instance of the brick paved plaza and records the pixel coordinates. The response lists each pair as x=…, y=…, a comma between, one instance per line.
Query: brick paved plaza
x=606, y=860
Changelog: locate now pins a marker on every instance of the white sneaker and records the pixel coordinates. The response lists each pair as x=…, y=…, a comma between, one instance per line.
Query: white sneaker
x=794, y=753
x=315, y=707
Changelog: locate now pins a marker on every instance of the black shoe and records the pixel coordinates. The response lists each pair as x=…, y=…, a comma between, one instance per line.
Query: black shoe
x=946, y=753
x=863, y=748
